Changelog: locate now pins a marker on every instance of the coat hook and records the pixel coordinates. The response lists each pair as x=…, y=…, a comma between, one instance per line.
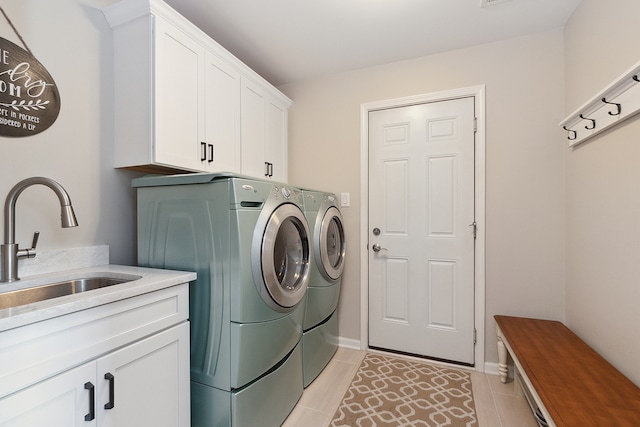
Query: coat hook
x=618, y=106
x=636, y=78
x=572, y=133
x=593, y=122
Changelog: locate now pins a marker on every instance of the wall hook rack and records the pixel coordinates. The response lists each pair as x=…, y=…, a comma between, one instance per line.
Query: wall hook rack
x=618, y=107
x=572, y=133
x=593, y=122
x=610, y=107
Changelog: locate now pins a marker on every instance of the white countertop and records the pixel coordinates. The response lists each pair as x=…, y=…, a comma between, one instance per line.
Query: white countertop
x=150, y=280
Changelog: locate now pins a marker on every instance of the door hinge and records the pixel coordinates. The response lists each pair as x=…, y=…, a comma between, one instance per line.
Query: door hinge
x=475, y=335
x=475, y=124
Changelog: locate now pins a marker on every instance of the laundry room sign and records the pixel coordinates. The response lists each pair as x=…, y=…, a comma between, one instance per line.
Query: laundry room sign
x=29, y=98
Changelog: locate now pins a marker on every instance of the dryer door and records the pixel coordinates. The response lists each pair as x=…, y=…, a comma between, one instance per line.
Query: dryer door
x=281, y=268
x=330, y=247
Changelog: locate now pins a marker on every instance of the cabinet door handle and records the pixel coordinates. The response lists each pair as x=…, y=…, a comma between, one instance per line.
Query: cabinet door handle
x=92, y=402
x=203, y=153
x=268, y=169
x=210, y=153
x=112, y=390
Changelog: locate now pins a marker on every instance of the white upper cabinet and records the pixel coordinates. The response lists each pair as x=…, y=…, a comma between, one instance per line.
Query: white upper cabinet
x=222, y=124
x=264, y=133
x=276, y=143
x=178, y=112
x=180, y=99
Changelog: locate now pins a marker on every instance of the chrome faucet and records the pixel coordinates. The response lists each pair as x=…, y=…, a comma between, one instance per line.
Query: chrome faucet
x=9, y=251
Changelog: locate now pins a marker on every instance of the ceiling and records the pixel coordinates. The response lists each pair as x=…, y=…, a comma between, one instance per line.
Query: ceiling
x=287, y=41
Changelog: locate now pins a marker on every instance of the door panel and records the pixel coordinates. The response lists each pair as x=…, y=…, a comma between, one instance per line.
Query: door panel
x=421, y=263
x=61, y=401
x=150, y=382
x=222, y=122
x=179, y=114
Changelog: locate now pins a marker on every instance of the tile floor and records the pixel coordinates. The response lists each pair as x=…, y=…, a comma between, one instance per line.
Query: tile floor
x=497, y=404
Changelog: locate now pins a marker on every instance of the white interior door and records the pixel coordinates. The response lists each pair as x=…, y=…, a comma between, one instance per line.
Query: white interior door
x=422, y=229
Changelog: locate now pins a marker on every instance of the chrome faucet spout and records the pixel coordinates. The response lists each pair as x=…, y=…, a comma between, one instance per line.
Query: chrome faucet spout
x=9, y=250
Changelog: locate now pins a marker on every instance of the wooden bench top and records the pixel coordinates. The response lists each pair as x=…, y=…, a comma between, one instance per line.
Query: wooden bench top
x=576, y=385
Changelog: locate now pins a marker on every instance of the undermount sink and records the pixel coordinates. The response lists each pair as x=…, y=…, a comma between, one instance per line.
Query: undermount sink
x=59, y=289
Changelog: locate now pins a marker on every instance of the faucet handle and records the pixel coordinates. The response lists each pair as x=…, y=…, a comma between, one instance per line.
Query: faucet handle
x=34, y=243
x=31, y=252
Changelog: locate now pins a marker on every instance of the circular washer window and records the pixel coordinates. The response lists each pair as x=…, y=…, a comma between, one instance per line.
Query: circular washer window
x=331, y=245
x=284, y=257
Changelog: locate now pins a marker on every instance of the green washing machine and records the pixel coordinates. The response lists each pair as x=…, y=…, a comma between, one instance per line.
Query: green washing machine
x=320, y=326
x=248, y=241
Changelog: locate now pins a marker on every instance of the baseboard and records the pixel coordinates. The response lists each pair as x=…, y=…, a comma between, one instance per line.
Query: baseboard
x=349, y=343
x=491, y=368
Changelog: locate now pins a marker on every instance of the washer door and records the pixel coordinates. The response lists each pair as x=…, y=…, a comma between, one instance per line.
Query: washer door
x=330, y=246
x=281, y=267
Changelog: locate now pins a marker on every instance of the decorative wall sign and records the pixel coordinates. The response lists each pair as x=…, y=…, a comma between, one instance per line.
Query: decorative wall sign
x=29, y=98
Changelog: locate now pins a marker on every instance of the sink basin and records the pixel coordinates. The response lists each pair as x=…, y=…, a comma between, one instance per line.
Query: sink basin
x=58, y=289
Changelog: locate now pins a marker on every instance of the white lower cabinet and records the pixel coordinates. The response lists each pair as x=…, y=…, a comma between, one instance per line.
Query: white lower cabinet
x=135, y=386
x=144, y=382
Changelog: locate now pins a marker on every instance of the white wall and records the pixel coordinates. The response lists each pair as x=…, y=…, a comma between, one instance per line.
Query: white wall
x=72, y=39
x=603, y=194
x=524, y=163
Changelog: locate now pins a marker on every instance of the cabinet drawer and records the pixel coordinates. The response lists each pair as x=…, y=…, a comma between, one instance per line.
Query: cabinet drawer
x=37, y=351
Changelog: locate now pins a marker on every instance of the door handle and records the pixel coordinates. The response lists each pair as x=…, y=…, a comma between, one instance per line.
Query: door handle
x=92, y=401
x=377, y=248
x=203, y=154
x=268, y=169
x=112, y=385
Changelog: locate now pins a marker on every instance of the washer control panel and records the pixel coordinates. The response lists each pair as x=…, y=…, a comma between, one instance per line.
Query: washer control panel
x=290, y=194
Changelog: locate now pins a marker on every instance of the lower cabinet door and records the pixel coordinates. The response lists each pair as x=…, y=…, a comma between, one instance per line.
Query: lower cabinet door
x=66, y=400
x=143, y=384
x=146, y=383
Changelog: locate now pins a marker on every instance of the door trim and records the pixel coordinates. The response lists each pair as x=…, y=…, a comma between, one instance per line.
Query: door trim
x=478, y=92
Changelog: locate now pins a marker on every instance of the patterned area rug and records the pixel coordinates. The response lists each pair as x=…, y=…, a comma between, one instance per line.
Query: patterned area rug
x=387, y=391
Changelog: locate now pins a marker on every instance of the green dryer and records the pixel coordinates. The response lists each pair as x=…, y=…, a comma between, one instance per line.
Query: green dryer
x=248, y=241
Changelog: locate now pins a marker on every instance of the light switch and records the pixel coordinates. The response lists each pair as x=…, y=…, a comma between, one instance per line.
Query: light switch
x=345, y=200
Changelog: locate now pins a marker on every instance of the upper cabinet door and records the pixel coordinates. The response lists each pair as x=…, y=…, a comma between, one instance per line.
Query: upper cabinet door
x=179, y=98
x=276, y=140
x=253, y=118
x=222, y=116
x=264, y=133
